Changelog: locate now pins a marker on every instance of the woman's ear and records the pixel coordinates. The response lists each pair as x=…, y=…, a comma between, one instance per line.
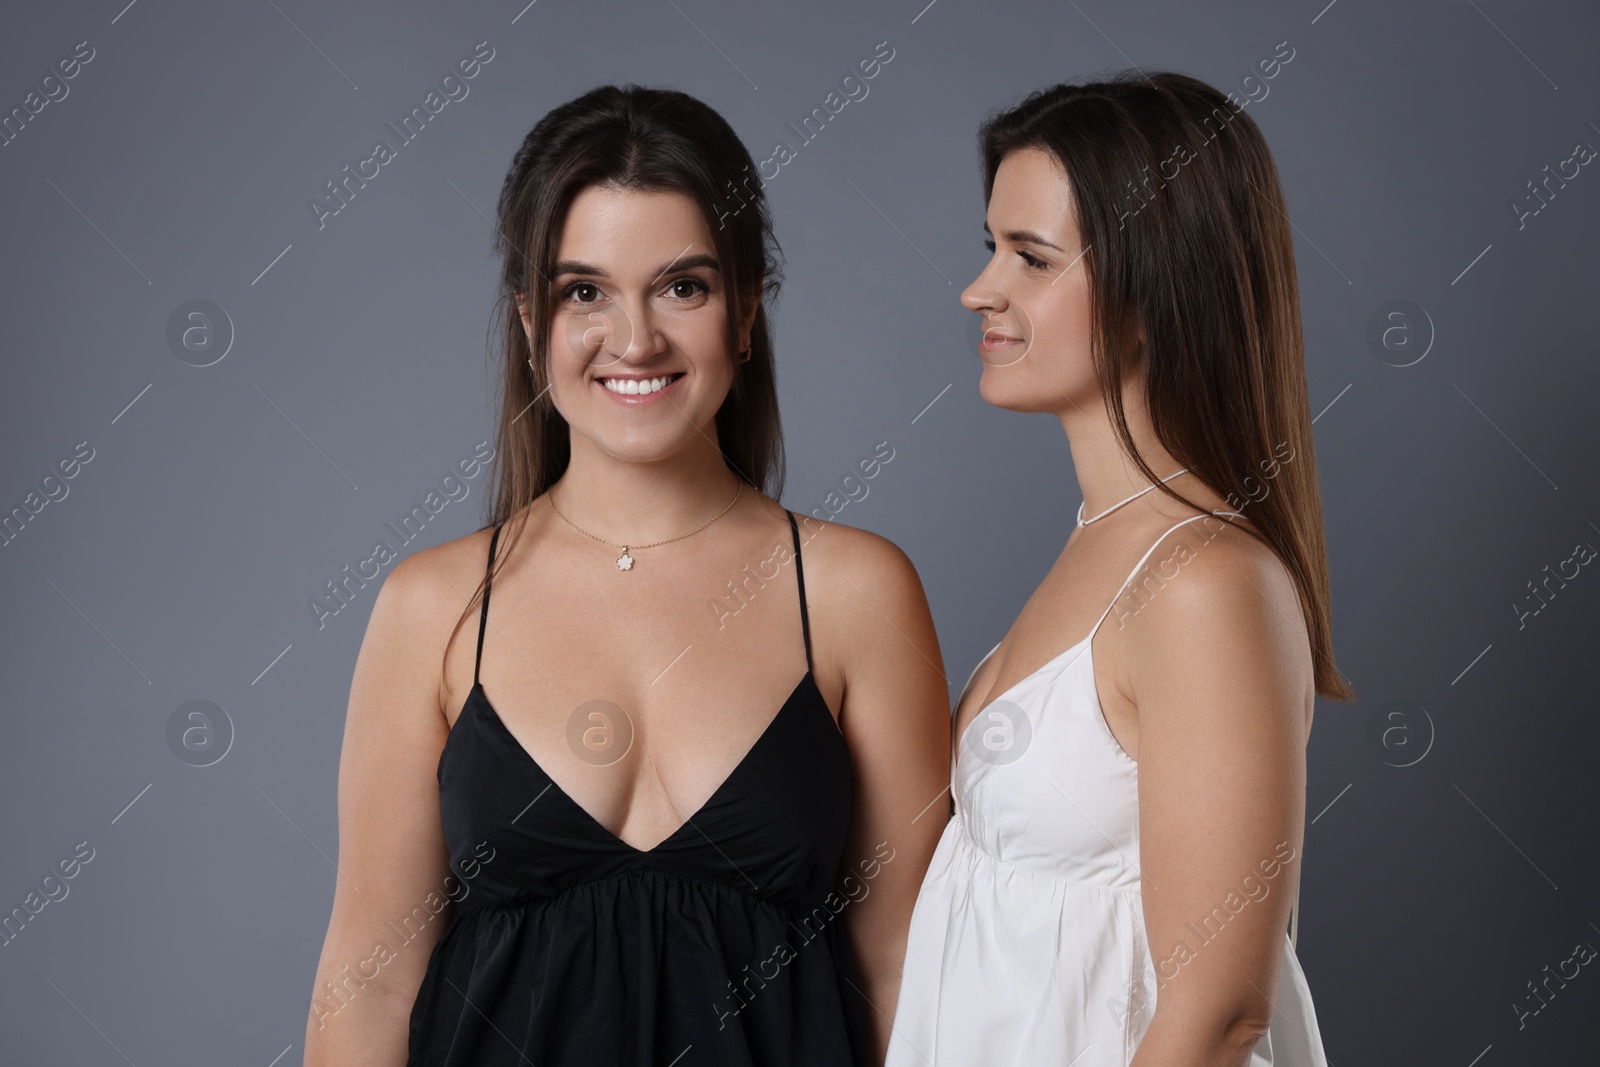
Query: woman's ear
x=747, y=318
x=525, y=315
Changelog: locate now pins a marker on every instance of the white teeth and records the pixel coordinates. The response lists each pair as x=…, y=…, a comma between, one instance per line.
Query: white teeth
x=634, y=386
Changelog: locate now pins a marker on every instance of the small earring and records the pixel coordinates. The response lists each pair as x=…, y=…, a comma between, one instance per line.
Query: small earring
x=744, y=357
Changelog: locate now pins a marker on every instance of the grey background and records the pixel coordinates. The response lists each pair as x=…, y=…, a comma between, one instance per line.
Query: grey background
x=180, y=564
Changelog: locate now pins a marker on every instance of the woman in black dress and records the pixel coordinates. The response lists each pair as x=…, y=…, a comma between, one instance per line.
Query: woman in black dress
x=656, y=846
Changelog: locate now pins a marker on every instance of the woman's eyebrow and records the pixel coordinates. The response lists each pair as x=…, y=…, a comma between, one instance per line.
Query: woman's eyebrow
x=1026, y=237
x=573, y=266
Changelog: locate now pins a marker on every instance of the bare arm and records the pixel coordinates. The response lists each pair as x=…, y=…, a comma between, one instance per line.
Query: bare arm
x=896, y=719
x=1220, y=671
x=392, y=879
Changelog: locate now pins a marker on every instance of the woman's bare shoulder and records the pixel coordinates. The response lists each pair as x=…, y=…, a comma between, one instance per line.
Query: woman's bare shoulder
x=849, y=565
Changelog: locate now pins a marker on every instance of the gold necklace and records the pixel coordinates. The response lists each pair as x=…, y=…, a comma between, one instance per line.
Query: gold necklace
x=625, y=561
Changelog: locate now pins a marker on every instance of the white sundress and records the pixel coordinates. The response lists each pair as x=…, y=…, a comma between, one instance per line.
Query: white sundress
x=1027, y=944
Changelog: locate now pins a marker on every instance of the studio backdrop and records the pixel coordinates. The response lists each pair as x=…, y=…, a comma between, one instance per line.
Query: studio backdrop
x=249, y=277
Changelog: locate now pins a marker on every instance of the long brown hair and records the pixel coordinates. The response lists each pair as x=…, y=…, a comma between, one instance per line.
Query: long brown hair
x=630, y=137
x=1185, y=232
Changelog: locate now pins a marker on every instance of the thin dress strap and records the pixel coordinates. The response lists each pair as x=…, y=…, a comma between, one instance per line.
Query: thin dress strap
x=800, y=575
x=1152, y=548
x=483, y=616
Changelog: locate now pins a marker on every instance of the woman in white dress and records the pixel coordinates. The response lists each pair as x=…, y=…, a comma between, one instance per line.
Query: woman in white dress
x=1115, y=884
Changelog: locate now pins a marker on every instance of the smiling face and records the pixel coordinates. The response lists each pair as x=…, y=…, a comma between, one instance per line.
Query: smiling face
x=1034, y=293
x=639, y=360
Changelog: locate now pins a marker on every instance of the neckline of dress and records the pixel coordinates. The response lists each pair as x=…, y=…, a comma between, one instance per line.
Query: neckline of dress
x=529, y=759
x=1030, y=676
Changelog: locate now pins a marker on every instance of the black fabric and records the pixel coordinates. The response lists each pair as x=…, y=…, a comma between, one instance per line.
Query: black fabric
x=723, y=945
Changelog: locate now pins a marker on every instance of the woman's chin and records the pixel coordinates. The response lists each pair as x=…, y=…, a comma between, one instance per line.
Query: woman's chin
x=1008, y=392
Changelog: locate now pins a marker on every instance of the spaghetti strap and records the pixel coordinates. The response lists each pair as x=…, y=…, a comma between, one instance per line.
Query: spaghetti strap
x=800, y=575
x=1147, y=552
x=1294, y=906
x=483, y=616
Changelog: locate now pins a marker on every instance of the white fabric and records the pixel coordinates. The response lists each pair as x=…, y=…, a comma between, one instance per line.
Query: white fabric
x=1027, y=945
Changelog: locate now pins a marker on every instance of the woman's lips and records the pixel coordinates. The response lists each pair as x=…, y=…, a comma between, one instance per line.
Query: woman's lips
x=636, y=399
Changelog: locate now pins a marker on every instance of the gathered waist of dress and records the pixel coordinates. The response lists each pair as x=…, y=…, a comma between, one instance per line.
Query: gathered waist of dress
x=974, y=848
x=651, y=880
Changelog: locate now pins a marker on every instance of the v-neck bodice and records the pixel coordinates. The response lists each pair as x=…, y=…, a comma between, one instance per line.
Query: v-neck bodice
x=567, y=944
x=1028, y=943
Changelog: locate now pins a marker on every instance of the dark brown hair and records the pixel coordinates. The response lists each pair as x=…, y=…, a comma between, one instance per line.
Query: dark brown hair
x=629, y=137
x=1185, y=233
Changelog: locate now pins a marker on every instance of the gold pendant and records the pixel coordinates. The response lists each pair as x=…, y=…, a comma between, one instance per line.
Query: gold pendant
x=624, y=561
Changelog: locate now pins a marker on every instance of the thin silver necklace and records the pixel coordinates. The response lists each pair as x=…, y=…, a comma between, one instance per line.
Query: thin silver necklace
x=1084, y=522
